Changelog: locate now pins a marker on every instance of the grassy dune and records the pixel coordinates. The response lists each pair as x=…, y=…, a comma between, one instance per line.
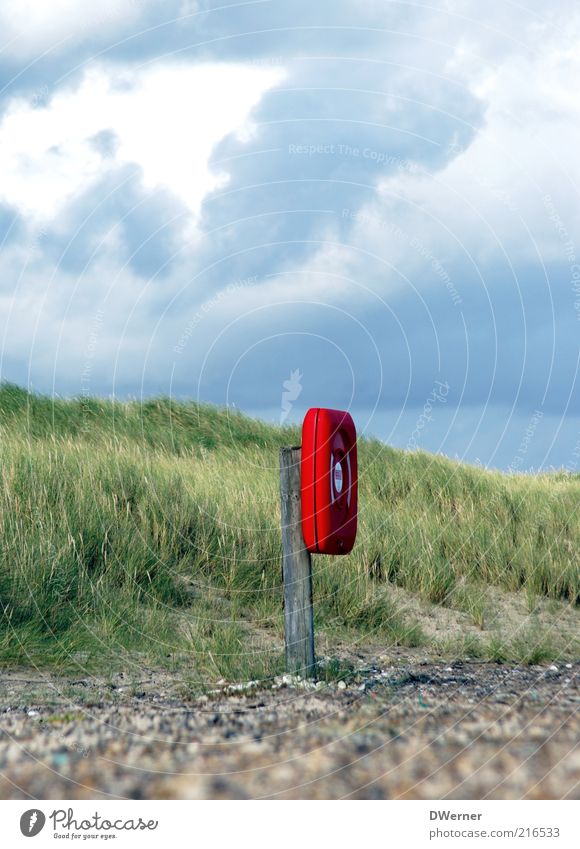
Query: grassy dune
x=151, y=531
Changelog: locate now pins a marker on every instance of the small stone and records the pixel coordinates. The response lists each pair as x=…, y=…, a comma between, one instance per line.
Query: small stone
x=341, y=685
x=553, y=668
x=32, y=713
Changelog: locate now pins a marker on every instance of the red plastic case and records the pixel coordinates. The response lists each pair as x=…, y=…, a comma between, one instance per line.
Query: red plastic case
x=329, y=481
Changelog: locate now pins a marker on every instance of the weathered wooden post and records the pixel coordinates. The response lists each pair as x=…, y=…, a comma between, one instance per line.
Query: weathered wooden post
x=296, y=571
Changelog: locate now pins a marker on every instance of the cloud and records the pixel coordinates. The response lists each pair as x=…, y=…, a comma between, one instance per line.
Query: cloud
x=475, y=255
x=166, y=120
x=30, y=27
x=376, y=173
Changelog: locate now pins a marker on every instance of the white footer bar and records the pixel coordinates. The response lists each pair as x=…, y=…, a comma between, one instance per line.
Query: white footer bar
x=276, y=824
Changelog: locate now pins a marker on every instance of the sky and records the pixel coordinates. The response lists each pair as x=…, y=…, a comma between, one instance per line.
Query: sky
x=359, y=204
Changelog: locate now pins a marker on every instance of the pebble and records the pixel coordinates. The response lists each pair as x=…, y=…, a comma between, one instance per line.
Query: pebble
x=276, y=741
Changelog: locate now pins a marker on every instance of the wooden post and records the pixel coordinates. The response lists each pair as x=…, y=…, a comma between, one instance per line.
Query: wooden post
x=296, y=571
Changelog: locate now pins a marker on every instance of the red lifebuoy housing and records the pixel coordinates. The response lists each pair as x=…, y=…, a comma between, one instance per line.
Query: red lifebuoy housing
x=329, y=481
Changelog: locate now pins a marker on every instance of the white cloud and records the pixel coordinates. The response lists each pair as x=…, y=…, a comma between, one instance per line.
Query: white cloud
x=166, y=120
x=491, y=194
x=489, y=198
x=30, y=27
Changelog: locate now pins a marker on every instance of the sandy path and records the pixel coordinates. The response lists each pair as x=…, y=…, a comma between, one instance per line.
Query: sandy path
x=411, y=731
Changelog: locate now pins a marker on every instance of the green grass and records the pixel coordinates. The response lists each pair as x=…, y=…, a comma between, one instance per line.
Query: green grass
x=531, y=646
x=152, y=530
x=471, y=597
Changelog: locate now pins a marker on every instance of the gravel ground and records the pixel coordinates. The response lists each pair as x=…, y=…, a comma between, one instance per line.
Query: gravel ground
x=403, y=731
